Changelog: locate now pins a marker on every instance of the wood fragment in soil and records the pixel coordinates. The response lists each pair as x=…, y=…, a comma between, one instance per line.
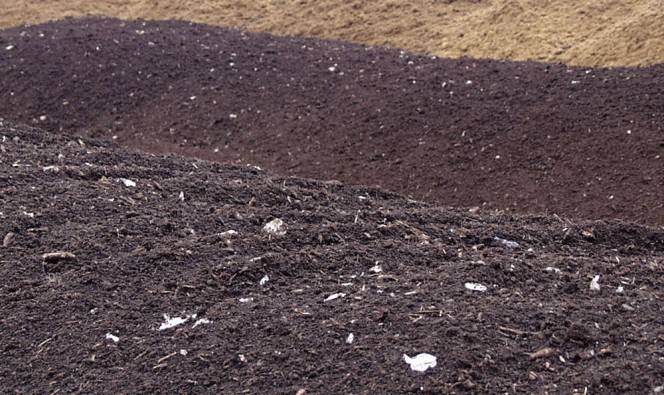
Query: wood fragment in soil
x=545, y=352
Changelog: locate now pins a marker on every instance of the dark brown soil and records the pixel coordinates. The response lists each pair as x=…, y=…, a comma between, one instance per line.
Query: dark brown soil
x=130, y=254
x=523, y=137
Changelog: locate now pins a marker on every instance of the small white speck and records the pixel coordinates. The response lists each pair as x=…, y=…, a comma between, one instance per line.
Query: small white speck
x=335, y=296
x=201, y=321
x=9, y=47
x=475, y=287
x=350, y=338
x=232, y=116
x=127, y=183
x=112, y=338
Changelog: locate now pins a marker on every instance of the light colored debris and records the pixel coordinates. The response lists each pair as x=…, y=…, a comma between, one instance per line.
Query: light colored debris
x=475, y=287
x=245, y=300
x=183, y=352
x=127, y=182
x=57, y=256
x=200, y=322
x=350, y=338
x=335, y=296
x=552, y=269
x=172, y=322
x=7, y=240
x=506, y=243
x=264, y=280
x=594, y=284
x=276, y=227
x=228, y=233
x=113, y=338
x=181, y=196
x=9, y=47
x=27, y=214
x=628, y=307
x=544, y=352
x=54, y=169
x=376, y=268
x=588, y=234
x=421, y=362
x=620, y=289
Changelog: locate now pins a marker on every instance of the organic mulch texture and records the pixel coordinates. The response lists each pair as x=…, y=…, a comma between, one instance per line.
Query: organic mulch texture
x=588, y=33
x=124, y=272
x=518, y=136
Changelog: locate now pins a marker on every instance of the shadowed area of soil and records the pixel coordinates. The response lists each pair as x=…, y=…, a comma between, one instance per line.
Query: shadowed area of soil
x=589, y=33
x=100, y=242
x=518, y=136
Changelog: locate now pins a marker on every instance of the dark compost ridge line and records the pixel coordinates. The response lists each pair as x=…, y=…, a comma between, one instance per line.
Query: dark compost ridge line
x=516, y=136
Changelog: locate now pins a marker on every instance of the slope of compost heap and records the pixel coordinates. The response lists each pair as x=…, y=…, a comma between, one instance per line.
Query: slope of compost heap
x=524, y=137
x=588, y=33
x=104, y=248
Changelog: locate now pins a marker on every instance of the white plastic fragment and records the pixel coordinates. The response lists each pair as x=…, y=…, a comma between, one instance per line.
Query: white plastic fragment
x=113, y=338
x=376, y=269
x=507, y=243
x=475, y=287
x=594, y=284
x=128, y=183
x=172, y=322
x=245, y=300
x=335, y=296
x=264, y=280
x=227, y=233
x=9, y=47
x=620, y=289
x=350, y=338
x=181, y=196
x=275, y=227
x=183, y=352
x=421, y=362
x=232, y=116
x=552, y=269
x=201, y=321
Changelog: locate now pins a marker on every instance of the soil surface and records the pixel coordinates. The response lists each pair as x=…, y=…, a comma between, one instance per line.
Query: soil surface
x=101, y=242
x=515, y=136
x=589, y=33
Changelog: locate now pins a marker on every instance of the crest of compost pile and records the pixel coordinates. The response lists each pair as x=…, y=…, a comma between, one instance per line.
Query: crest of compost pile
x=520, y=137
x=146, y=292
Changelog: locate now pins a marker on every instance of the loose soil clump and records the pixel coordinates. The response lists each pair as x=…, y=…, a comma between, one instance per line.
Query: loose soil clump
x=133, y=273
x=515, y=136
